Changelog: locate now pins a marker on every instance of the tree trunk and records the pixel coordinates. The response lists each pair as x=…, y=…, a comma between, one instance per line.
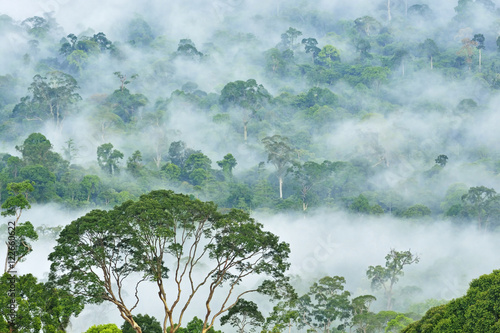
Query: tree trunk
x=6, y=258
x=389, y=10
x=479, y=59
x=245, y=131
x=389, y=299
x=431, y=63
x=125, y=314
x=281, y=187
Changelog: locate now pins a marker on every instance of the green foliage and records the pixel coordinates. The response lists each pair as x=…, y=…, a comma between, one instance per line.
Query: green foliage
x=360, y=205
x=35, y=149
x=324, y=305
x=367, y=25
x=134, y=165
x=126, y=105
x=227, y=165
x=280, y=154
x=279, y=62
x=18, y=200
x=90, y=186
x=52, y=98
x=104, y=328
x=467, y=105
x=44, y=180
x=316, y=96
x=177, y=153
x=288, y=38
x=139, y=33
x=441, y=160
x=398, y=323
x=196, y=169
x=308, y=175
x=310, y=47
x=20, y=234
x=386, y=277
x=148, y=324
x=328, y=56
x=194, y=326
x=423, y=307
x=187, y=50
x=240, y=196
x=37, y=26
x=108, y=158
x=40, y=306
x=479, y=204
x=362, y=318
x=242, y=314
x=416, y=211
x=248, y=96
x=375, y=76
x=477, y=311
x=171, y=171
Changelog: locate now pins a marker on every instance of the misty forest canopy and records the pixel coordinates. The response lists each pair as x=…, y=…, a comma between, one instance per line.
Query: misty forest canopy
x=171, y=139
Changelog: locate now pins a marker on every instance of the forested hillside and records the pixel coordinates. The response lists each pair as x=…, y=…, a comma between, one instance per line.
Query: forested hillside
x=327, y=135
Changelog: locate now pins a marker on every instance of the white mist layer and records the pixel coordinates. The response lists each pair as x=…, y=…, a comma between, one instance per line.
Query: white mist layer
x=340, y=244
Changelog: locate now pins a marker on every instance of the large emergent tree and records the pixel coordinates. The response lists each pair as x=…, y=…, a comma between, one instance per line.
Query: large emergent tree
x=247, y=96
x=205, y=253
x=52, y=98
x=280, y=154
x=386, y=277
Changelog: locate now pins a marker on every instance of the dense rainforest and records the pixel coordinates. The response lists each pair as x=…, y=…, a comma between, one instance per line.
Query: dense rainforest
x=235, y=166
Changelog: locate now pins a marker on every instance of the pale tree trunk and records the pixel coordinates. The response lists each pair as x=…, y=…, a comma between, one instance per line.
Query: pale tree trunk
x=128, y=318
x=157, y=159
x=245, y=131
x=431, y=63
x=388, y=293
x=281, y=187
x=479, y=59
x=389, y=10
